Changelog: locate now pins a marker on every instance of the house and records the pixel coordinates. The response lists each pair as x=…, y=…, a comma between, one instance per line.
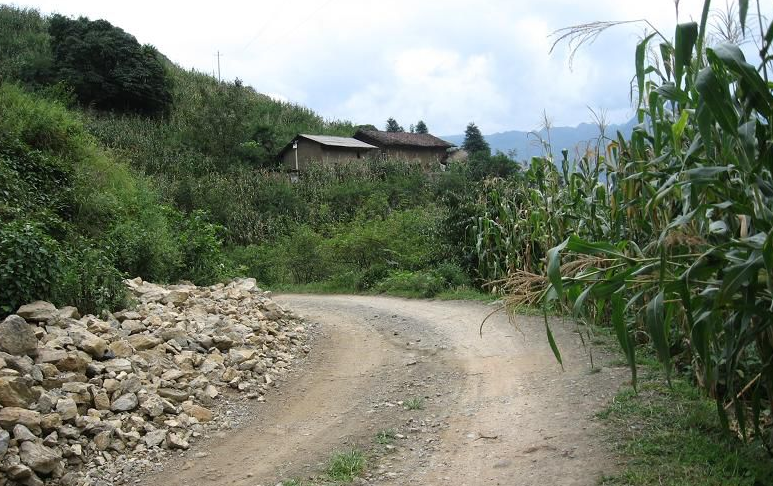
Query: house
x=424, y=148
x=305, y=149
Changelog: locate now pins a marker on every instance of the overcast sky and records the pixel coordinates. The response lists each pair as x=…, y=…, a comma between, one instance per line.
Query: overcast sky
x=447, y=62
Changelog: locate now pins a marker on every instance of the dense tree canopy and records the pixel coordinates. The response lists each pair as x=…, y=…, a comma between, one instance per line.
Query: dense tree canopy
x=421, y=127
x=106, y=67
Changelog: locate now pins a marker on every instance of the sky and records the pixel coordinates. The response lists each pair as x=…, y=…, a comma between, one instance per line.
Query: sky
x=446, y=62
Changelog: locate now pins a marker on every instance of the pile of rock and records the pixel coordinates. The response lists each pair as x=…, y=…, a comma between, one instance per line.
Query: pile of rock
x=78, y=393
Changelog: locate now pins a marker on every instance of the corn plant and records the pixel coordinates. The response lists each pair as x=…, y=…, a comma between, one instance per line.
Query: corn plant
x=668, y=234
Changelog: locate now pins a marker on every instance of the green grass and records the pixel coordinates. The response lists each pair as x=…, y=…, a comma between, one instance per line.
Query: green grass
x=326, y=287
x=385, y=437
x=673, y=437
x=345, y=466
x=416, y=403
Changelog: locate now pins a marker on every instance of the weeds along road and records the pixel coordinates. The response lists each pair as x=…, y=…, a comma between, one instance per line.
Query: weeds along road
x=496, y=409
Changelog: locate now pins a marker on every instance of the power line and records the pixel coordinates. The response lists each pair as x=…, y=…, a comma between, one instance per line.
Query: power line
x=263, y=28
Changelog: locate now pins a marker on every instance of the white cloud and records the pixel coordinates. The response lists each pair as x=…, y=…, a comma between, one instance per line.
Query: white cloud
x=447, y=62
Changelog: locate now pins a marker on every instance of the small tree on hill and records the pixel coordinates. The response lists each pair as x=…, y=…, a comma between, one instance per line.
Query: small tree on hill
x=474, y=143
x=393, y=127
x=421, y=127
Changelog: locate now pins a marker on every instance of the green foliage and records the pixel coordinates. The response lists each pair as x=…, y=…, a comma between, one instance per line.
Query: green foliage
x=345, y=466
x=392, y=126
x=25, y=53
x=668, y=233
x=420, y=283
x=673, y=436
x=416, y=403
x=421, y=127
x=30, y=265
x=304, y=255
x=106, y=67
x=474, y=143
x=90, y=281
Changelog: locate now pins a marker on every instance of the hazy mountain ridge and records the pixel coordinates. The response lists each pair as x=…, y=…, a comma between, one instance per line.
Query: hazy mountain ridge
x=526, y=144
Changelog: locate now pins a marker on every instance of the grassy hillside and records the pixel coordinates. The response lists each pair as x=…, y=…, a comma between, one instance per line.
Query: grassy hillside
x=177, y=179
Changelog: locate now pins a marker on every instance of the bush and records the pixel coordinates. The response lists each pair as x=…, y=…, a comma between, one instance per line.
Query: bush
x=202, y=259
x=264, y=263
x=453, y=275
x=90, y=282
x=304, y=255
x=30, y=265
x=422, y=283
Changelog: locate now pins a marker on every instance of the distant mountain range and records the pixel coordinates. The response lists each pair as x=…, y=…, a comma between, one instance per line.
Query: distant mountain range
x=526, y=144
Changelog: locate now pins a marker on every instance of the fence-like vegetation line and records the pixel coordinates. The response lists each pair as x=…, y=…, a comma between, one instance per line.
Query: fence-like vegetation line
x=668, y=235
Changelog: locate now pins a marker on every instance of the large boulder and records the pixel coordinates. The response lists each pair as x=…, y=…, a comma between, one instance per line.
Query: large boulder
x=39, y=458
x=39, y=311
x=17, y=337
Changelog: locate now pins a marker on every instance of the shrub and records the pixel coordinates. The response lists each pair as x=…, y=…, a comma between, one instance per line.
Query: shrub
x=453, y=275
x=422, y=283
x=202, y=258
x=264, y=263
x=90, y=282
x=30, y=265
x=304, y=255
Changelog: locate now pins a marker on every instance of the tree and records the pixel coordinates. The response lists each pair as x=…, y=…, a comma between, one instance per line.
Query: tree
x=421, y=127
x=393, y=127
x=474, y=143
x=107, y=68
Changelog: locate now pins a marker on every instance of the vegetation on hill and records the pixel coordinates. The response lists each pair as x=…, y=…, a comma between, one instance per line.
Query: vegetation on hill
x=174, y=177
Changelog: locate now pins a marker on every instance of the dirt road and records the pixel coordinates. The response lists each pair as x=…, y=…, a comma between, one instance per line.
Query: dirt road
x=497, y=410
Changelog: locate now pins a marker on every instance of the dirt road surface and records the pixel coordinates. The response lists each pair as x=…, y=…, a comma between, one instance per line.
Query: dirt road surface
x=497, y=409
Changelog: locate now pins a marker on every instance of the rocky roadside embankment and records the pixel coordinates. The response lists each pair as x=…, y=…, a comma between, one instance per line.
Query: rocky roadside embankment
x=88, y=400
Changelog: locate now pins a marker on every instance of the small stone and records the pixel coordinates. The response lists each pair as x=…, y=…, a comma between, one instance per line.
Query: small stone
x=101, y=400
x=174, y=441
x=152, y=405
x=39, y=458
x=67, y=409
x=39, y=311
x=154, y=438
x=50, y=421
x=124, y=403
x=118, y=365
x=19, y=472
x=173, y=394
x=5, y=439
x=102, y=440
x=22, y=433
x=10, y=416
x=17, y=392
x=141, y=342
x=198, y=412
x=17, y=337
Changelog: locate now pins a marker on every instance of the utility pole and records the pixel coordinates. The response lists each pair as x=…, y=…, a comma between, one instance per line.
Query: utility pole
x=218, y=66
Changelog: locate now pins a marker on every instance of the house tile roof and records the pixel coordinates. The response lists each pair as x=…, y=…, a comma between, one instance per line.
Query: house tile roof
x=401, y=139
